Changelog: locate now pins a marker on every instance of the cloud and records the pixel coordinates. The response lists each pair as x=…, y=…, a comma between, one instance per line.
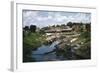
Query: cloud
x=44, y=18
x=28, y=13
x=60, y=18
x=29, y=17
x=39, y=18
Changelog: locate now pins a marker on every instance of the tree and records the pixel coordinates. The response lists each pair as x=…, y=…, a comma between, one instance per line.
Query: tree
x=53, y=26
x=63, y=25
x=57, y=25
x=26, y=28
x=45, y=28
x=69, y=24
x=33, y=28
x=88, y=27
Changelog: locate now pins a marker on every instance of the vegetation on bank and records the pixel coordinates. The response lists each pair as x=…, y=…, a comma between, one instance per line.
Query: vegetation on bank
x=85, y=46
x=83, y=51
x=31, y=41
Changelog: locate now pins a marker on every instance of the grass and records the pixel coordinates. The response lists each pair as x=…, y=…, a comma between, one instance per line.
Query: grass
x=31, y=41
x=85, y=48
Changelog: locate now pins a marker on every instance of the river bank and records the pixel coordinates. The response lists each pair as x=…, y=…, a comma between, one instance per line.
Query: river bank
x=65, y=47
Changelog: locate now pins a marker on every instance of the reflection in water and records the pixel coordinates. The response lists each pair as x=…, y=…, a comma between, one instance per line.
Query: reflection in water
x=43, y=57
x=40, y=55
x=46, y=48
x=48, y=53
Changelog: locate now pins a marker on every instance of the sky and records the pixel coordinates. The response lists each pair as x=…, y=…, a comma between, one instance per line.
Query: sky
x=48, y=18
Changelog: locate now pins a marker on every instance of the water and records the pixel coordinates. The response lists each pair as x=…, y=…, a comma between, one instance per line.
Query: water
x=39, y=54
x=47, y=53
x=46, y=48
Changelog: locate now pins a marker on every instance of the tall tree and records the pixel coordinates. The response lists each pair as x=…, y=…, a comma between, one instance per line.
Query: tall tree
x=33, y=28
x=69, y=24
x=26, y=28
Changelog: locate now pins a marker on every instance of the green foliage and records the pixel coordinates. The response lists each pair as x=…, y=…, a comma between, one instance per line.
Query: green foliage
x=70, y=24
x=34, y=39
x=26, y=28
x=33, y=28
x=30, y=42
x=85, y=48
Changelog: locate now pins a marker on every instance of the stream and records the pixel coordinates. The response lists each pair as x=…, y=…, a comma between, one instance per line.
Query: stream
x=47, y=53
x=39, y=54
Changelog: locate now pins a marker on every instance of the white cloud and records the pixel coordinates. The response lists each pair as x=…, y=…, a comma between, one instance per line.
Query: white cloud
x=58, y=17
x=41, y=18
x=79, y=17
x=30, y=13
x=50, y=17
x=29, y=17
